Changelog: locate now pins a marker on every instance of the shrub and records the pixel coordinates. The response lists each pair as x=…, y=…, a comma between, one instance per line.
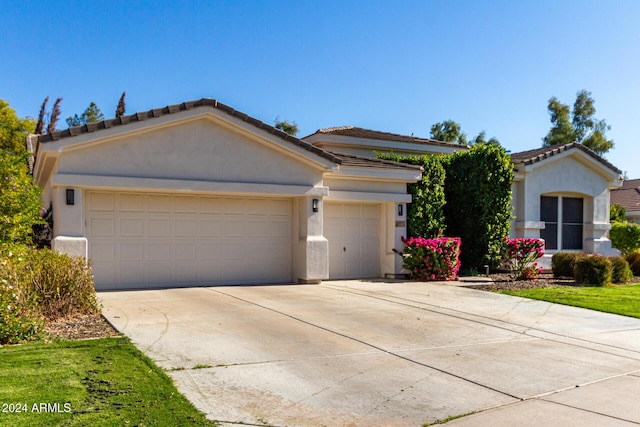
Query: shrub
x=425, y=213
x=617, y=213
x=621, y=272
x=625, y=236
x=432, y=259
x=521, y=255
x=19, y=318
x=478, y=202
x=40, y=284
x=563, y=263
x=62, y=285
x=633, y=258
x=593, y=270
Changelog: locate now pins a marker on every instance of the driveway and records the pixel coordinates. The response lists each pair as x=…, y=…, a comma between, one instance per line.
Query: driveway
x=367, y=353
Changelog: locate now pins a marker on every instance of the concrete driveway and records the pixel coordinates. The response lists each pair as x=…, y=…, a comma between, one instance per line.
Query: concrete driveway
x=363, y=353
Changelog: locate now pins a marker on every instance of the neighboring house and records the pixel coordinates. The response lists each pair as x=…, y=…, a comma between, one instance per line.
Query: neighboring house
x=628, y=196
x=199, y=194
x=560, y=194
x=365, y=142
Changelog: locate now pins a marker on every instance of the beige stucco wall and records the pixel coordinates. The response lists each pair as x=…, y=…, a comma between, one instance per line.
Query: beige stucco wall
x=196, y=150
x=336, y=183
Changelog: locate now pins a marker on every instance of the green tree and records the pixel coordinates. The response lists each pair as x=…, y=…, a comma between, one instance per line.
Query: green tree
x=482, y=139
x=286, y=127
x=579, y=125
x=448, y=131
x=90, y=115
x=20, y=205
x=13, y=130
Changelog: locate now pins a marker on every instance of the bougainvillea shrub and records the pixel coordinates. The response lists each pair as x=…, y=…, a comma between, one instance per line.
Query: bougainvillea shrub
x=521, y=255
x=432, y=259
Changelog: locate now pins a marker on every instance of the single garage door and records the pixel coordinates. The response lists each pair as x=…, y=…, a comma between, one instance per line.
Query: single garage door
x=146, y=240
x=353, y=232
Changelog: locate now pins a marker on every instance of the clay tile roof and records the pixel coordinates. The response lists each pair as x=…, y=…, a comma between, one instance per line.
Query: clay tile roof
x=627, y=196
x=357, y=132
x=172, y=109
x=340, y=159
x=533, y=156
x=359, y=161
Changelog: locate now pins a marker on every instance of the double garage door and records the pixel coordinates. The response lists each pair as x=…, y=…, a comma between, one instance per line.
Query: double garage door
x=147, y=239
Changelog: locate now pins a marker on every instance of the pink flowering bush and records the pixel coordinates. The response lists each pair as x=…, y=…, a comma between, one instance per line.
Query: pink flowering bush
x=520, y=255
x=432, y=259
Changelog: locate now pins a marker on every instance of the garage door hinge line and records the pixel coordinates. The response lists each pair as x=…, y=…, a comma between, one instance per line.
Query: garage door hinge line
x=371, y=345
x=505, y=328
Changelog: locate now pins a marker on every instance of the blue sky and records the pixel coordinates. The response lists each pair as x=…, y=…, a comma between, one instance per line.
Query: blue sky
x=393, y=66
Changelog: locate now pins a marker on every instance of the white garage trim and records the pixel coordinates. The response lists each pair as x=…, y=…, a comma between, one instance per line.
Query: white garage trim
x=354, y=234
x=363, y=196
x=153, y=239
x=150, y=184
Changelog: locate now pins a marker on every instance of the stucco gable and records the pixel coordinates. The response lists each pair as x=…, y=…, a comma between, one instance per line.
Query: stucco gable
x=199, y=149
x=531, y=159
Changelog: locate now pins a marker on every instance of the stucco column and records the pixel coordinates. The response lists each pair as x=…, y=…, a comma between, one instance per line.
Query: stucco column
x=68, y=222
x=311, y=258
x=393, y=225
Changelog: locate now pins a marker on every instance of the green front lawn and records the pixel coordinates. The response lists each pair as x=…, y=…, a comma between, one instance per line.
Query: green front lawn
x=92, y=382
x=624, y=299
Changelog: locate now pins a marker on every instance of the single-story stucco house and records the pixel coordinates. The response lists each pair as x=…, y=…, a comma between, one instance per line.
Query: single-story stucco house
x=200, y=194
x=628, y=196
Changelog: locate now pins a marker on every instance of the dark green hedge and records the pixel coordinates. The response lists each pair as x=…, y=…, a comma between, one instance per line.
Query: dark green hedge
x=425, y=215
x=563, y=263
x=596, y=270
x=633, y=259
x=478, y=202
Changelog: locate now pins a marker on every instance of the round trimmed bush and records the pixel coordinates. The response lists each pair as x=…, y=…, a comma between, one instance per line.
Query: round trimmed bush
x=596, y=270
x=621, y=272
x=563, y=263
x=633, y=258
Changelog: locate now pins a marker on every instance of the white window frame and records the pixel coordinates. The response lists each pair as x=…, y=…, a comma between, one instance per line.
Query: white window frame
x=560, y=223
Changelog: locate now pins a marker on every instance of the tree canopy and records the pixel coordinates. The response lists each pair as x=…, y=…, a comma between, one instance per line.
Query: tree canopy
x=121, y=108
x=286, y=127
x=451, y=131
x=448, y=131
x=13, y=130
x=90, y=115
x=579, y=125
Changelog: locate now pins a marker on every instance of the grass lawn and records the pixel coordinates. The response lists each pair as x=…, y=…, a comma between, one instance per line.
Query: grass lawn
x=104, y=382
x=623, y=299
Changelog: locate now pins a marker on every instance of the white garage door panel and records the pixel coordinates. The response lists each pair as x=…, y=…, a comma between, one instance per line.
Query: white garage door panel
x=138, y=240
x=353, y=232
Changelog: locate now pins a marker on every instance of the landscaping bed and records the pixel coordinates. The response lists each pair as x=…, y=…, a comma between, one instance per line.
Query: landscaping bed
x=503, y=282
x=80, y=327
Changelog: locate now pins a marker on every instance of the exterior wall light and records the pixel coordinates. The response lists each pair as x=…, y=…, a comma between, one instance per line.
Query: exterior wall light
x=71, y=196
x=400, y=210
x=314, y=205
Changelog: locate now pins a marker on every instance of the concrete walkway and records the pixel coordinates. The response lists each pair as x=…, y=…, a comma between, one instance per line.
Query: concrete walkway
x=366, y=353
